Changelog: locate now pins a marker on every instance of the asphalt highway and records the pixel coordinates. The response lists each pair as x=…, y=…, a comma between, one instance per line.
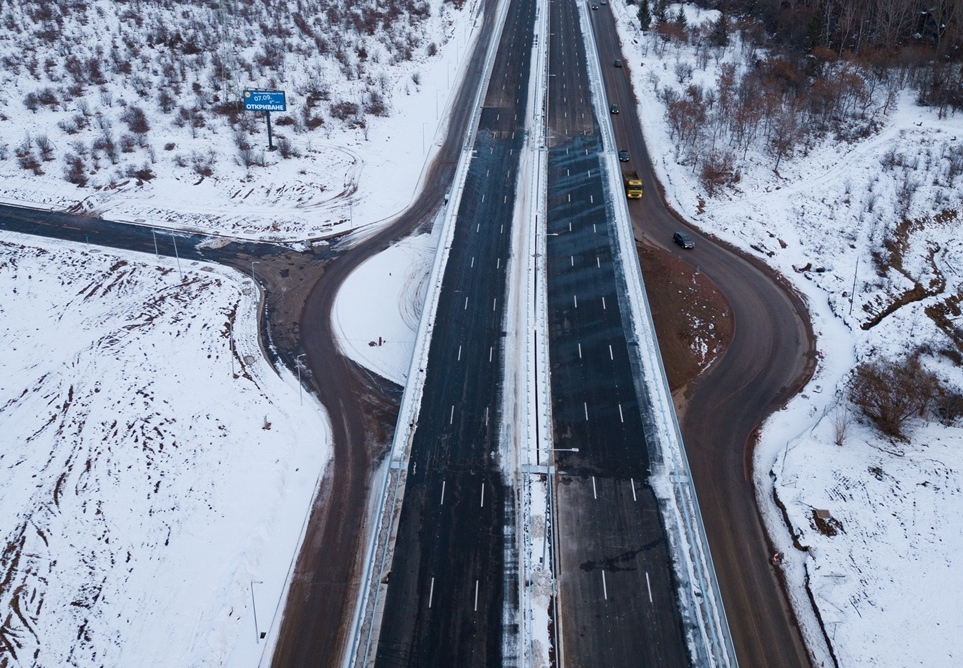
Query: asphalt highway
x=616, y=587
x=771, y=355
x=451, y=596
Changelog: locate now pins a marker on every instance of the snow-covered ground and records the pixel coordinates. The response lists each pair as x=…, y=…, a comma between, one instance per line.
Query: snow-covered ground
x=887, y=583
x=338, y=176
x=392, y=287
x=149, y=485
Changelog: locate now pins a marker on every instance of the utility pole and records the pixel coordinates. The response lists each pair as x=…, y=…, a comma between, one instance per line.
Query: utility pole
x=177, y=257
x=230, y=333
x=852, y=295
x=257, y=631
x=297, y=362
x=227, y=52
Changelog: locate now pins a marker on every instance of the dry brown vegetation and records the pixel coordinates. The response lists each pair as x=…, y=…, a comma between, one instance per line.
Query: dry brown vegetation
x=812, y=69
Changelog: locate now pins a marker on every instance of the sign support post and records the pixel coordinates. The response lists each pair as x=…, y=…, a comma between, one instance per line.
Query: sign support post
x=267, y=115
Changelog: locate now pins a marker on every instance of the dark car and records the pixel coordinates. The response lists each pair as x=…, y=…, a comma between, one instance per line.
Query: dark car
x=683, y=240
x=623, y=155
x=618, y=62
x=614, y=108
x=595, y=5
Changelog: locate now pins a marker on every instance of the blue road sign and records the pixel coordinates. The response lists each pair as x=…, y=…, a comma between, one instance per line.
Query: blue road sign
x=264, y=100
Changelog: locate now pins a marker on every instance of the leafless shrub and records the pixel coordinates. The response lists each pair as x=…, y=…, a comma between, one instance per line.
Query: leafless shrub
x=376, y=104
x=889, y=392
x=311, y=121
x=683, y=71
x=286, y=148
x=105, y=144
x=26, y=157
x=136, y=120
x=247, y=156
x=241, y=140
x=949, y=406
x=76, y=170
x=344, y=110
x=142, y=173
x=203, y=163
x=166, y=100
x=840, y=423
x=46, y=148
x=127, y=143
x=718, y=171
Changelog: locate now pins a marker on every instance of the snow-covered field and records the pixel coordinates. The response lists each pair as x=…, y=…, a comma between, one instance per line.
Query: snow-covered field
x=149, y=485
x=887, y=583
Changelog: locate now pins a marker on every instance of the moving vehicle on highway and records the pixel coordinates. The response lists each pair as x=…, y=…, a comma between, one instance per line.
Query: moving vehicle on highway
x=633, y=184
x=623, y=155
x=614, y=108
x=683, y=239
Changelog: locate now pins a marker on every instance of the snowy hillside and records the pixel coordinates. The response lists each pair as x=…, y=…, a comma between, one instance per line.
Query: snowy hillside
x=879, y=207
x=131, y=109
x=147, y=482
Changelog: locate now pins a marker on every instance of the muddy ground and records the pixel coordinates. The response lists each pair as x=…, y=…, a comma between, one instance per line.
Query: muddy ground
x=692, y=318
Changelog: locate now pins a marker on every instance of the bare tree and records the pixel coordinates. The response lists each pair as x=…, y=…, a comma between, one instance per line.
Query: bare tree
x=889, y=392
x=787, y=134
x=840, y=423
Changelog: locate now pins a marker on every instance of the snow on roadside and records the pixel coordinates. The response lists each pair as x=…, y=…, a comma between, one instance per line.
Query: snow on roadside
x=147, y=492
x=391, y=286
x=885, y=584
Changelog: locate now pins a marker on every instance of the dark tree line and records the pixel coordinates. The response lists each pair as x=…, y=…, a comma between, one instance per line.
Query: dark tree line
x=921, y=40
x=935, y=26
